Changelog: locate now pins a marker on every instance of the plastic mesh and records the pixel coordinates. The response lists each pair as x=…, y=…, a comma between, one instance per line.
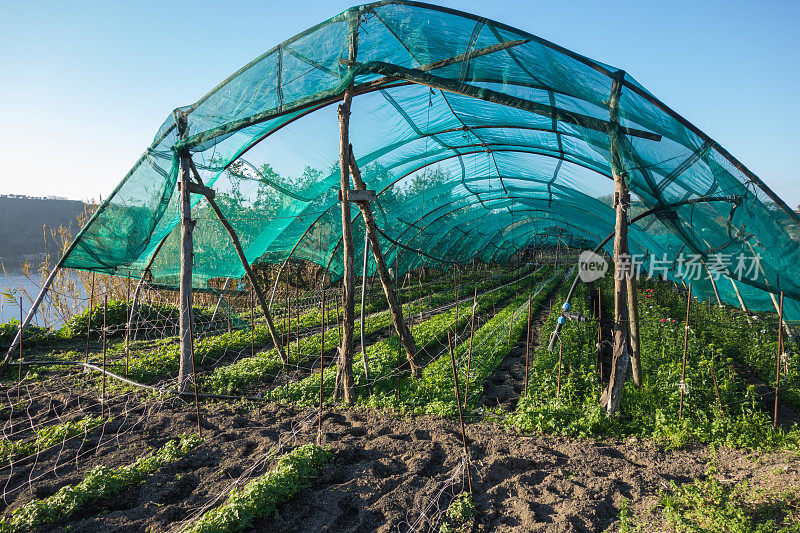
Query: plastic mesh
x=480, y=140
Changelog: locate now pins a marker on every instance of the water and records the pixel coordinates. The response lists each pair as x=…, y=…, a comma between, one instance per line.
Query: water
x=17, y=284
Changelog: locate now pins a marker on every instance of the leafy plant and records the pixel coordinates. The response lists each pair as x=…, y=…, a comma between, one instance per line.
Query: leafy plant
x=294, y=472
x=100, y=483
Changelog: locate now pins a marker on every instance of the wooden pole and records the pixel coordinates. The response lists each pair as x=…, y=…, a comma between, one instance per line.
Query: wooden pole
x=621, y=357
x=252, y=325
x=633, y=318
x=287, y=319
x=89, y=319
x=187, y=260
x=194, y=380
x=685, y=349
x=105, y=325
x=741, y=301
x=248, y=270
x=460, y=415
x=364, y=358
x=778, y=362
x=321, y=361
x=600, y=332
x=528, y=345
x=771, y=295
x=19, y=366
x=471, y=335
x=713, y=283
x=297, y=322
x=558, y=384
x=396, y=310
x=346, y=347
x=716, y=386
x=128, y=325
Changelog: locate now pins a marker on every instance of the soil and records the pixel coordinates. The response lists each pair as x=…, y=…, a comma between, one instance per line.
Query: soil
x=507, y=383
x=388, y=473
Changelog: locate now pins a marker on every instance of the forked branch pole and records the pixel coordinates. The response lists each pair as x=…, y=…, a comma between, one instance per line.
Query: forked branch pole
x=621, y=356
x=249, y=271
x=406, y=339
x=345, y=367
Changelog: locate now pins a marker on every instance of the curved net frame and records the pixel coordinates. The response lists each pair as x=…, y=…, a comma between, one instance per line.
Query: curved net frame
x=479, y=139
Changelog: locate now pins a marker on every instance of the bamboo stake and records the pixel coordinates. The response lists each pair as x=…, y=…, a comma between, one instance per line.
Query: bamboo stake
x=89, y=319
x=633, y=317
x=771, y=295
x=460, y=415
x=194, y=378
x=287, y=319
x=778, y=361
x=741, y=301
x=364, y=357
x=716, y=386
x=528, y=346
x=103, y=394
x=713, y=283
x=297, y=323
x=558, y=385
x=128, y=325
x=19, y=366
x=321, y=361
x=252, y=326
x=600, y=332
x=471, y=335
x=685, y=349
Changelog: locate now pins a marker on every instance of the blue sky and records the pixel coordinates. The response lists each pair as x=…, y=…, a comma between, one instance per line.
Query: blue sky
x=85, y=84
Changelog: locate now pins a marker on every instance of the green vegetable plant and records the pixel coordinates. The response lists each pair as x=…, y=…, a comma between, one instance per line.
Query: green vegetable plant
x=260, y=497
x=100, y=483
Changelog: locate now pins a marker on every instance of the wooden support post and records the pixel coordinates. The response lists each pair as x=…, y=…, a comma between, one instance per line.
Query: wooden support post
x=128, y=324
x=287, y=320
x=460, y=415
x=252, y=324
x=558, y=384
x=685, y=349
x=713, y=283
x=194, y=382
x=528, y=346
x=633, y=322
x=471, y=335
x=621, y=358
x=786, y=327
x=19, y=366
x=297, y=323
x=778, y=362
x=321, y=361
x=600, y=332
x=249, y=271
x=105, y=341
x=406, y=339
x=346, y=347
x=187, y=260
x=89, y=319
x=741, y=301
x=364, y=358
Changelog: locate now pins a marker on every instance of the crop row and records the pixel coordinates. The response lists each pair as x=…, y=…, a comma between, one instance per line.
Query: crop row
x=100, y=483
x=383, y=358
x=232, y=378
x=564, y=389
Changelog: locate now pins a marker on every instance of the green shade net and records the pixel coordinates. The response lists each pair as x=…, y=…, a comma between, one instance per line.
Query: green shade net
x=479, y=139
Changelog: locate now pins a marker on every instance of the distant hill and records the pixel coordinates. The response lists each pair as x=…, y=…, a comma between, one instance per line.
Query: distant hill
x=22, y=219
